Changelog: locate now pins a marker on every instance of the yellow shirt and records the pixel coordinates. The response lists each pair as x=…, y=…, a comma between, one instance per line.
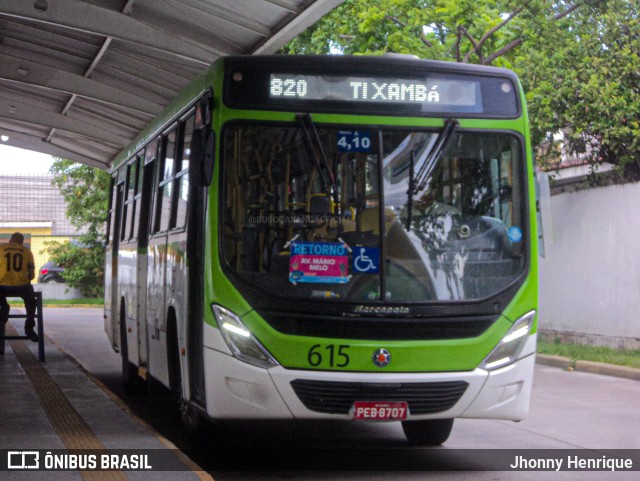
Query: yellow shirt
x=15, y=263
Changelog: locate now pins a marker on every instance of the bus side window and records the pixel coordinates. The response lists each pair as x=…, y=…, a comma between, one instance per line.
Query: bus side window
x=129, y=201
x=111, y=217
x=137, y=195
x=116, y=213
x=165, y=184
x=181, y=198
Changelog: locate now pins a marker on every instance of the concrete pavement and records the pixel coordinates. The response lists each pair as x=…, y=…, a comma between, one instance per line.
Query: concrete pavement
x=57, y=406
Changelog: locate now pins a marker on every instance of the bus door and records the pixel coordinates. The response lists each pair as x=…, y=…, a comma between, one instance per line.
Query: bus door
x=185, y=248
x=111, y=274
x=143, y=215
x=156, y=301
x=201, y=167
x=175, y=292
x=128, y=254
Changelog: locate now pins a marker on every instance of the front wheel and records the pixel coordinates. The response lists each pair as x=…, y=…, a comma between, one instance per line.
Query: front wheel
x=431, y=432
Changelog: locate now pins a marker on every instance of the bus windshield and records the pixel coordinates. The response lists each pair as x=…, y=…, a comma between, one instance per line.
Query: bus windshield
x=371, y=214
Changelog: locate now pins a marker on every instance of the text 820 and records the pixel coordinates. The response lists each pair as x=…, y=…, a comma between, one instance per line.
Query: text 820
x=288, y=87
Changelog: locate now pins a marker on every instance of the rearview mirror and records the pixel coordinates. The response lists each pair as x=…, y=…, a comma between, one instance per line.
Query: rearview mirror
x=202, y=156
x=208, y=158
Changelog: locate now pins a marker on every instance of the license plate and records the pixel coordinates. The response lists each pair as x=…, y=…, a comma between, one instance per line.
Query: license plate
x=380, y=411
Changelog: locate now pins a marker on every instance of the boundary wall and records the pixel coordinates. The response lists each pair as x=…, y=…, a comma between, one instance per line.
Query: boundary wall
x=590, y=275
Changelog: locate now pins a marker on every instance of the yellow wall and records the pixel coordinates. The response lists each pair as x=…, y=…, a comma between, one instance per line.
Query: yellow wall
x=35, y=238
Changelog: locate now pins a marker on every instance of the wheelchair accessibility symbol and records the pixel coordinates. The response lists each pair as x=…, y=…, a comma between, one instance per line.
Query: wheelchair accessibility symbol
x=366, y=260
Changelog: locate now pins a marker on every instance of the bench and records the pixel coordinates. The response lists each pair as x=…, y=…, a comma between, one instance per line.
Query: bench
x=39, y=327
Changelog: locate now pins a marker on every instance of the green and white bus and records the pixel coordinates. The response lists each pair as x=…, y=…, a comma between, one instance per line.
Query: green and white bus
x=331, y=237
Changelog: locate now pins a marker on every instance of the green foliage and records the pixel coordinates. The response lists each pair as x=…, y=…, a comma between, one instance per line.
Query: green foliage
x=460, y=30
x=85, y=190
x=579, y=60
x=583, y=77
x=83, y=263
x=579, y=352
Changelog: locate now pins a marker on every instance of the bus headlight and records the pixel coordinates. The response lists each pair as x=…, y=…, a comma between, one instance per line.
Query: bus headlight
x=508, y=349
x=241, y=342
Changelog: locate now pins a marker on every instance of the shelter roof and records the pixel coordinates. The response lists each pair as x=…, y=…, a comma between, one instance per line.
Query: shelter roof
x=79, y=79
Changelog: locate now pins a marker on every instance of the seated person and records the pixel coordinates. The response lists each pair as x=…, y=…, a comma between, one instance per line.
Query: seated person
x=428, y=205
x=17, y=270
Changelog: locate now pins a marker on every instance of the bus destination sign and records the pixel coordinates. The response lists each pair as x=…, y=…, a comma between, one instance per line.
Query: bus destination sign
x=433, y=93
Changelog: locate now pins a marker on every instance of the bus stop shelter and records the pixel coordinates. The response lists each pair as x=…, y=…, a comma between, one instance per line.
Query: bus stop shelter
x=79, y=79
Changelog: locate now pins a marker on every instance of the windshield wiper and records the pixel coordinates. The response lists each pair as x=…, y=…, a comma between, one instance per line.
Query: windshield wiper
x=417, y=183
x=412, y=166
x=432, y=158
x=319, y=157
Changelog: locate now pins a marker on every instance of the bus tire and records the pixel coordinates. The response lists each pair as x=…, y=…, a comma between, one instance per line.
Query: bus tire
x=130, y=379
x=430, y=432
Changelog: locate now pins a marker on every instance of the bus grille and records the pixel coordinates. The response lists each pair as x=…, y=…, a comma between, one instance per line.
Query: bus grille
x=338, y=397
x=388, y=329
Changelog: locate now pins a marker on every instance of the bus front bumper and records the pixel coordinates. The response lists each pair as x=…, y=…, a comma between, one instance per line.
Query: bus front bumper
x=237, y=390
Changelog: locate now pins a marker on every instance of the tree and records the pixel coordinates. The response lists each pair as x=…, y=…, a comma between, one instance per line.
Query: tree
x=583, y=79
x=85, y=190
x=578, y=60
x=484, y=32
